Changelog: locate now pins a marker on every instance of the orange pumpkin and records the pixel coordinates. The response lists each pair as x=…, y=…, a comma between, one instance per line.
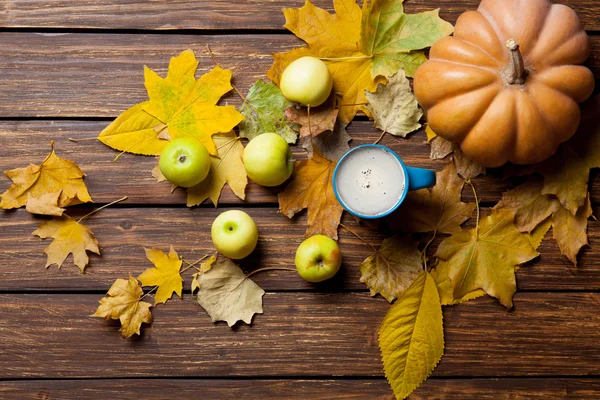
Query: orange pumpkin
x=506, y=86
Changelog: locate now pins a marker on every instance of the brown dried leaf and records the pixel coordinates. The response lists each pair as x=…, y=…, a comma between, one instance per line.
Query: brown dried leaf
x=322, y=118
x=570, y=231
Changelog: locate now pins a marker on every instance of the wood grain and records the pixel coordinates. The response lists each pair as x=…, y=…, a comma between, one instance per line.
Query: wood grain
x=299, y=389
x=123, y=232
x=299, y=334
x=100, y=75
x=204, y=14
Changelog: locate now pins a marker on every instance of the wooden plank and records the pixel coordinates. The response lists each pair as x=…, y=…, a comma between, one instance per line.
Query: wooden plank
x=22, y=142
x=300, y=334
x=205, y=14
x=100, y=75
x=298, y=389
x=123, y=232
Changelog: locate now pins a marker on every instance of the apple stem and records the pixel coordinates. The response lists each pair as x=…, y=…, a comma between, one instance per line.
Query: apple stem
x=210, y=53
x=182, y=158
x=359, y=237
x=100, y=208
x=256, y=271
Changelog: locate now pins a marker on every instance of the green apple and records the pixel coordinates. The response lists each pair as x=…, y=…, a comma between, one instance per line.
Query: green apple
x=234, y=234
x=318, y=258
x=306, y=81
x=268, y=160
x=185, y=162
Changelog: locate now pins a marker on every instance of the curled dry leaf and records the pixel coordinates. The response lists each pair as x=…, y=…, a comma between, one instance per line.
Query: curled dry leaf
x=411, y=336
x=360, y=48
x=322, y=118
x=393, y=268
x=124, y=302
x=38, y=182
x=226, y=168
x=265, y=110
x=394, y=106
x=226, y=294
x=485, y=257
x=570, y=231
x=331, y=145
x=439, y=209
x=311, y=188
x=69, y=237
x=165, y=274
x=179, y=106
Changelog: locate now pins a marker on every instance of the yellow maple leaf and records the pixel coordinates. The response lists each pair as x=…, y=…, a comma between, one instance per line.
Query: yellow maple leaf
x=46, y=204
x=226, y=168
x=485, y=257
x=179, y=106
x=204, y=268
x=360, y=47
x=165, y=275
x=311, y=188
x=54, y=174
x=411, y=336
x=445, y=288
x=70, y=237
x=123, y=302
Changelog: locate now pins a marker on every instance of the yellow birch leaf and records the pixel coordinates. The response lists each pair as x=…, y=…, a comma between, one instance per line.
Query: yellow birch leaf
x=123, y=302
x=226, y=168
x=165, y=275
x=311, y=188
x=411, y=336
x=46, y=204
x=70, y=237
x=486, y=257
x=393, y=268
x=52, y=175
x=570, y=231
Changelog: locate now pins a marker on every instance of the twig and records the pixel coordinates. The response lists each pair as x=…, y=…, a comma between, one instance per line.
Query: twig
x=100, y=208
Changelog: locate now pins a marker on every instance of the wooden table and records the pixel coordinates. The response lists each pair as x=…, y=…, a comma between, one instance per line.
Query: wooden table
x=67, y=68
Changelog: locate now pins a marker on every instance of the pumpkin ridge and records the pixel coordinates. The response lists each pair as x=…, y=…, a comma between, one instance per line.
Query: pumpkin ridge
x=474, y=46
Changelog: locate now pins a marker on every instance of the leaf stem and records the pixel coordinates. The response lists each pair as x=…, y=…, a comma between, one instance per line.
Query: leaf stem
x=210, y=53
x=269, y=269
x=351, y=105
x=468, y=181
x=424, y=252
x=148, y=292
x=192, y=265
x=380, y=137
x=100, y=208
x=359, y=237
x=344, y=58
x=308, y=117
x=82, y=139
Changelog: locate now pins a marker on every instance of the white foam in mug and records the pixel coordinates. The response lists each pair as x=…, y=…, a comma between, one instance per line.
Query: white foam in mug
x=370, y=181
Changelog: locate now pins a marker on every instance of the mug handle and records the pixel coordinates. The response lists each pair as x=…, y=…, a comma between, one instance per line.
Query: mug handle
x=419, y=178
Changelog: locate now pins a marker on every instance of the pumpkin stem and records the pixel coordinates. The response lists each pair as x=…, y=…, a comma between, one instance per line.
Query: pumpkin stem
x=515, y=72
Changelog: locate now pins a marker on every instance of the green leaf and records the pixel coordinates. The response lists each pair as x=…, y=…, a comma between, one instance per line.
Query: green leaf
x=391, y=36
x=265, y=112
x=411, y=336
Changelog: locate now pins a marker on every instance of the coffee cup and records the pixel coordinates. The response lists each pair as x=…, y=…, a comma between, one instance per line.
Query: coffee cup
x=371, y=181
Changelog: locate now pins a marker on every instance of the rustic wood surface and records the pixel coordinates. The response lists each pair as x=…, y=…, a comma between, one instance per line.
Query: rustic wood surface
x=68, y=67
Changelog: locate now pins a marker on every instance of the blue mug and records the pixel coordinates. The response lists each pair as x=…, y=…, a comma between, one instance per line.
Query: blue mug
x=371, y=181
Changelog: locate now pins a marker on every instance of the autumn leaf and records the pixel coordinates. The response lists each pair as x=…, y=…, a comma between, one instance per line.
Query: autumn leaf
x=179, y=106
x=158, y=175
x=70, y=237
x=570, y=231
x=226, y=168
x=530, y=206
x=393, y=267
x=411, y=336
x=265, y=111
x=331, y=145
x=226, y=294
x=37, y=182
x=165, y=275
x=430, y=134
x=123, y=302
x=538, y=234
x=46, y=204
x=359, y=52
x=322, y=118
x=566, y=174
x=438, y=209
x=445, y=288
x=441, y=148
x=485, y=257
x=204, y=268
x=311, y=188
x=394, y=106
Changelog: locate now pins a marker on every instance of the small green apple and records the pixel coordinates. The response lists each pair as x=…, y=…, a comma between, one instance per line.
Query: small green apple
x=268, y=160
x=234, y=234
x=185, y=162
x=306, y=81
x=318, y=258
